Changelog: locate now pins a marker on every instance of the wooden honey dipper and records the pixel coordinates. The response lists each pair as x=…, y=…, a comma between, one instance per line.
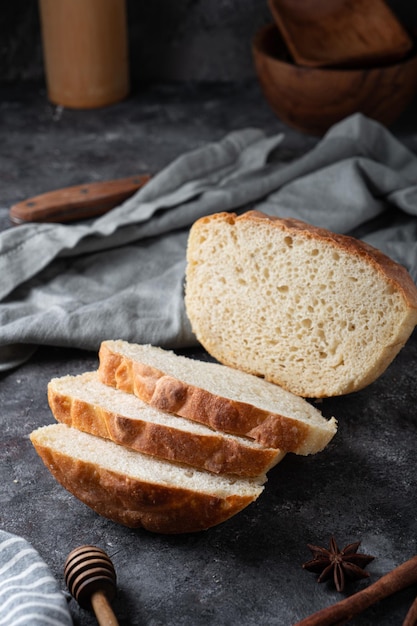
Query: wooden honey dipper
x=91, y=579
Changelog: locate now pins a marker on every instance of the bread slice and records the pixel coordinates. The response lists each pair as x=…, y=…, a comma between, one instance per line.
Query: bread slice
x=318, y=313
x=85, y=403
x=137, y=490
x=223, y=398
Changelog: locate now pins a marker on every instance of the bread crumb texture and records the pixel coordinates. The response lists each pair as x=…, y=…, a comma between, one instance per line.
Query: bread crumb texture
x=317, y=313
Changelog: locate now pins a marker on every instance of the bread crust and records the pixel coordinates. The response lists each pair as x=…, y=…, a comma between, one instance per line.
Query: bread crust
x=170, y=394
x=214, y=453
x=135, y=503
x=393, y=275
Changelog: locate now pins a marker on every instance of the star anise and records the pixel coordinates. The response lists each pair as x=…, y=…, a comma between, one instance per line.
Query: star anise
x=342, y=564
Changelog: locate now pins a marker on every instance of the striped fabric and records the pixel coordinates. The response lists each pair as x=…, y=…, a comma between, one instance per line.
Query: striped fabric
x=29, y=595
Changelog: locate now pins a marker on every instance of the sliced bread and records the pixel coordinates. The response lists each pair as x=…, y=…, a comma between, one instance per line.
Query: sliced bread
x=85, y=403
x=138, y=490
x=224, y=398
x=318, y=313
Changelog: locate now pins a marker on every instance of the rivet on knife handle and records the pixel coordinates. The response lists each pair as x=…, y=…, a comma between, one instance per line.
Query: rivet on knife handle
x=77, y=202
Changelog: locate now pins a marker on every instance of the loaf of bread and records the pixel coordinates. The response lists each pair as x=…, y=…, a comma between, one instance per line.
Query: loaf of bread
x=224, y=398
x=317, y=313
x=85, y=403
x=138, y=490
x=169, y=443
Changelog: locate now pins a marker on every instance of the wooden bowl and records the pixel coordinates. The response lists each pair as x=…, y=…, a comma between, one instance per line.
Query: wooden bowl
x=312, y=99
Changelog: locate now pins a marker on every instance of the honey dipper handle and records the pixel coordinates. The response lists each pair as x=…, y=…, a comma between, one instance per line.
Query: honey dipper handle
x=103, y=610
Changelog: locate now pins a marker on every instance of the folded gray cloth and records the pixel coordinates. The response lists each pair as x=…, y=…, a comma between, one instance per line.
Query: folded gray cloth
x=121, y=275
x=29, y=594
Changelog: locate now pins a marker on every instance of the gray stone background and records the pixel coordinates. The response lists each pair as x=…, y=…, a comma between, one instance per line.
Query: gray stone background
x=247, y=571
x=170, y=40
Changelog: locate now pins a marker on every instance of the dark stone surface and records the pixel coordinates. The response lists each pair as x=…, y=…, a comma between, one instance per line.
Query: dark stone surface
x=45, y=147
x=248, y=570
x=182, y=40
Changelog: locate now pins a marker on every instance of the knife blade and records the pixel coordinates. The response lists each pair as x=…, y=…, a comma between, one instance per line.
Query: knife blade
x=76, y=202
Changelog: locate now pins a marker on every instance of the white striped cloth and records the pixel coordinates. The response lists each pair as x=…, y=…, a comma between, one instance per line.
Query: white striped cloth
x=29, y=594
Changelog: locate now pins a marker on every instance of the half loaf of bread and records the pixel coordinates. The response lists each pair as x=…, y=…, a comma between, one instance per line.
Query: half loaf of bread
x=85, y=403
x=318, y=313
x=224, y=398
x=138, y=490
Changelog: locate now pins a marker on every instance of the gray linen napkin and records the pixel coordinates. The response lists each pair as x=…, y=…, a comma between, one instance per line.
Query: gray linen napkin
x=121, y=275
x=29, y=595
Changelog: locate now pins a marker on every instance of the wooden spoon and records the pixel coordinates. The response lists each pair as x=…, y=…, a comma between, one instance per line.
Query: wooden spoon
x=340, y=33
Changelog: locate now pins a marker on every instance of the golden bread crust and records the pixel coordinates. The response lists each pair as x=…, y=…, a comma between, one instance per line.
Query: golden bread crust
x=222, y=414
x=135, y=503
x=214, y=453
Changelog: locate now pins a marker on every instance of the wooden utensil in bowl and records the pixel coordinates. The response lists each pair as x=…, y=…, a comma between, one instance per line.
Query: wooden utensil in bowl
x=313, y=99
x=340, y=33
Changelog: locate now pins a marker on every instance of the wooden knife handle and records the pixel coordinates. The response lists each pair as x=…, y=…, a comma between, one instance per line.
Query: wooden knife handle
x=77, y=202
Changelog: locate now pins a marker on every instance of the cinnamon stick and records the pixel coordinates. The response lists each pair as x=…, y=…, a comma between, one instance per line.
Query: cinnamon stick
x=399, y=578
